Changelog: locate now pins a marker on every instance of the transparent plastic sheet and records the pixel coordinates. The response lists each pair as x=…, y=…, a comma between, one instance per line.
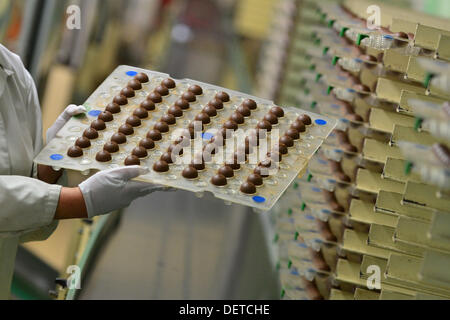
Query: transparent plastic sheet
x=54, y=154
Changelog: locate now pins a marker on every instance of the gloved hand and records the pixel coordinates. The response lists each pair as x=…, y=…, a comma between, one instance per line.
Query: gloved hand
x=113, y=189
x=70, y=111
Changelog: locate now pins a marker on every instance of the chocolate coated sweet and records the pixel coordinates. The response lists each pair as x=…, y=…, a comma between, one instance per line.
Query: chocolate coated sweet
x=237, y=117
x=287, y=141
x=162, y=127
x=75, y=152
x=169, y=119
x=271, y=118
x=190, y=173
x=293, y=133
x=141, y=113
x=106, y=116
x=119, y=138
x=248, y=188
x=231, y=125
x=121, y=100
x=148, y=105
x=223, y=96
x=305, y=119
x=98, y=125
x=277, y=111
x=155, y=97
x=183, y=104
x=147, y=143
x=162, y=90
x=299, y=126
x=132, y=161
x=126, y=129
x=134, y=121
x=189, y=97
x=219, y=180
x=135, y=84
x=203, y=117
x=195, y=89
x=216, y=103
x=264, y=125
x=111, y=147
x=251, y=104
x=261, y=171
x=175, y=111
x=103, y=156
x=141, y=77
x=210, y=110
x=83, y=143
x=128, y=92
x=226, y=171
x=281, y=148
x=155, y=135
x=199, y=162
x=169, y=83
x=167, y=157
x=140, y=152
x=113, y=108
x=255, y=179
x=245, y=111
x=161, y=166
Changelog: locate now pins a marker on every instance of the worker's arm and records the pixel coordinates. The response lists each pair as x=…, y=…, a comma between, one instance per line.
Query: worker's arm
x=71, y=205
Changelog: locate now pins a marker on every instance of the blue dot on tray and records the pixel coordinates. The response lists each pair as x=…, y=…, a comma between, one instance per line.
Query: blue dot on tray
x=56, y=157
x=94, y=113
x=259, y=199
x=131, y=73
x=303, y=245
x=321, y=122
x=207, y=136
x=315, y=189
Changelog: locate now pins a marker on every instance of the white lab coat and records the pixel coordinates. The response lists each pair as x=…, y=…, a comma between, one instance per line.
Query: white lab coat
x=27, y=205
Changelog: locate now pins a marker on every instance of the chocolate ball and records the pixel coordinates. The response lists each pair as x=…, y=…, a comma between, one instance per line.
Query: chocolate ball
x=248, y=188
x=195, y=89
x=103, y=156
x=75, y=152
x=305, y=119
x=299, y=126
x=119, y=138
x=233, y=163
x=237, y=117
x=134, y=121
x=223, y=96
x=190, y=173
x=267, y=163
x=245, y=111
x=142, y=77
x=162, y=127
x=226, y=171
x=294, y=134
x=140, y=152
x=169, y=119
x=261, y=171
x=210, y=110
x=277, y=111
x=141, y=113
x=113, y=108
x=271, y=118
x=128, y=92
x=281, y=148
x=162, y=90
x=203, y=117
x=216, y=103
x=189, y=97
x=251, y=104
x=287, y=141
x=264, y=125
x=219, y=180
x=98, y=125
x=169, y=83
x=121, y=100
x=231, y=125
x=183, y=104
x=148, y=105
x=147, y=143
x=167, y=157
x=111, y=147
x=198, y=124
x=155, y=97
x=83, y=143
x=132, y=161
x=255, y=179
x=106, y=116
x=155, y=135
x=135, y=84
x=175, y=111
x=126, y=129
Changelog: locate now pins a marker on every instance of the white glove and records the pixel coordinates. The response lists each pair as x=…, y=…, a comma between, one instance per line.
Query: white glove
x=71, y=110
x=113, y=189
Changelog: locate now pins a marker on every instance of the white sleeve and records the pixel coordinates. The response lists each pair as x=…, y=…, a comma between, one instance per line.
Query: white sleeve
x=26, y=204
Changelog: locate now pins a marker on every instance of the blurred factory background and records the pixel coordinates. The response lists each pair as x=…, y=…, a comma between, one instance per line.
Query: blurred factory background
x=167, y=245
